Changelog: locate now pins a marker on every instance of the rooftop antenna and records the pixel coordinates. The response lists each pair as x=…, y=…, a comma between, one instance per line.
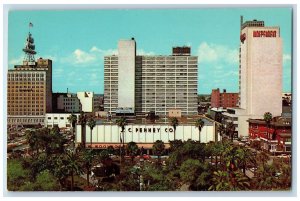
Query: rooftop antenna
x=29, y=48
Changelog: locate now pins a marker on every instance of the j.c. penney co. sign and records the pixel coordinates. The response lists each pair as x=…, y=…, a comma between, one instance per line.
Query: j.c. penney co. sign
x=150, y=130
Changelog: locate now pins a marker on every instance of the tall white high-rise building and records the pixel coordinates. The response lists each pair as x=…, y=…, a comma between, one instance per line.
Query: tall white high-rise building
x=139, y=84
x=260, y=73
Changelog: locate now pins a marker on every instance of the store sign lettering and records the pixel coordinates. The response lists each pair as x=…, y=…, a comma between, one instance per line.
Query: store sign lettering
x=264, y=33
x=149, y=130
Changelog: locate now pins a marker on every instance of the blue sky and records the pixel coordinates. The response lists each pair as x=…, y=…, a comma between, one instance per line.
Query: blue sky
x=76, y=41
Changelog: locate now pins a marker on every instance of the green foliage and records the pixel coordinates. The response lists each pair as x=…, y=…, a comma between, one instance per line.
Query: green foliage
x=195, y=173
x=72, y=119
x=45, y=181
x=158, y=147
x=174, y=122
x=132, y=149
x=91, y=123
x=16, y=174
x=268, y=117
x=121, y=122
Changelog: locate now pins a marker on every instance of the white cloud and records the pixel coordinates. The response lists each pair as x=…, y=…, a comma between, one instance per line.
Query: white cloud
x=143, y=52
x=83, y=57
x=213, y=53
x=94, y=55
x=15, y=61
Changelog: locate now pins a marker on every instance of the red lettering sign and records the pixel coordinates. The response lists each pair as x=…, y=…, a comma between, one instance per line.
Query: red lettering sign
x=264, y=33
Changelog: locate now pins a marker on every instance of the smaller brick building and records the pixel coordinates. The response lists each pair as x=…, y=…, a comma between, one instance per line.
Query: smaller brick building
x=224, y=99
x=275, y=138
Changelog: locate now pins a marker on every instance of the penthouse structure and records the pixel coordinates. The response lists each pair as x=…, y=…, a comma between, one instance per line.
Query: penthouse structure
x=140, y=84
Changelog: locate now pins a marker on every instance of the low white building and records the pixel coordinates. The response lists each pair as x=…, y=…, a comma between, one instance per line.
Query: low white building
x=58, y=119
x=144, y=134
x=86, y=100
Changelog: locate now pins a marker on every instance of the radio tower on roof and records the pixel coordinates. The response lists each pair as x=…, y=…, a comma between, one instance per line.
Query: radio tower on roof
x=29, y=48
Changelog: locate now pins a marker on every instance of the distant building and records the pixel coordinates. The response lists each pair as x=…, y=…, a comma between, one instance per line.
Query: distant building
x=69, y=103
x=275, y=138
x=139, y=84
x=260, y=73
x=224, y=99
x=58, y=119
x=86, y=100
x=98, y=102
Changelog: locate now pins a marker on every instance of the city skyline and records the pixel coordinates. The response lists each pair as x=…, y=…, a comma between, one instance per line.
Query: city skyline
x=77, y=41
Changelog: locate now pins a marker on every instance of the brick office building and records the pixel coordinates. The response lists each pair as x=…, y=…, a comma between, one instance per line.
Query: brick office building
x=224, y=99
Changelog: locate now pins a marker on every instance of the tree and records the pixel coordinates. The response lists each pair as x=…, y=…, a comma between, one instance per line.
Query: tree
x=199, y=124
x=82, y=122
x=87, y=161
x=132, y=148
x=174, y=124
x=175, y=145
x=60, y=169
x=268, y=119
x=195, y=174
x=91, y=123
x=245, y=156
x=73, y=166
x=73, y=119
x=158, y=148
x=122, y=122
x=33, y=141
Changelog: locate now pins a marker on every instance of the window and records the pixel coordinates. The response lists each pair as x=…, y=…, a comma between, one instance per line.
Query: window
x=55, y=118
x=61, y=118
x=49, y=117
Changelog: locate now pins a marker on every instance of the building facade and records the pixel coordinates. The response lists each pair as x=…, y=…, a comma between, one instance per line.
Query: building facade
x=260, y=73
x=98, y=102
x=58, y=119
x=275, y=138
x=86, y=100
x=69, y=103
x=224, y=99
x=144, y=135
x=29, y=92
x=159, y=83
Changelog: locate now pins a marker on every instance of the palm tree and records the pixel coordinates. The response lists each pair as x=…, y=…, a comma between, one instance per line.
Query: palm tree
x=72, y=166
x=82, y=122
x=132, y=148
x=73, y=119
x=91, y=123
x=33, y=141
x=174, y=123
x=158, y=148
x=60, y=170
x=199, y=124
x=87, y=159
x=268, y=119
x=245, y=156
x=122, y=122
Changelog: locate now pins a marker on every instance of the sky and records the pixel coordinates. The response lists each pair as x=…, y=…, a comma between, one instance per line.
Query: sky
x=78, y=40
